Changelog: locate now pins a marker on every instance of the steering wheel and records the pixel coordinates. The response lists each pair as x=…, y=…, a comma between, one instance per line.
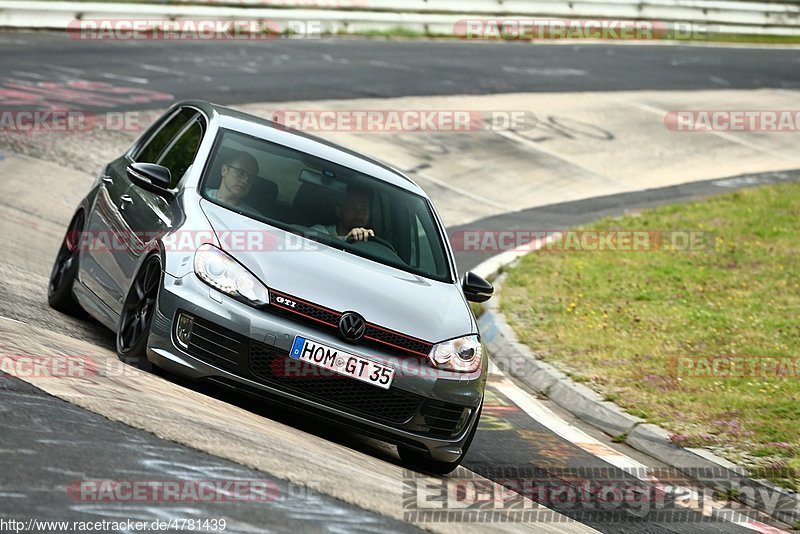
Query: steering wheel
x=378, y=240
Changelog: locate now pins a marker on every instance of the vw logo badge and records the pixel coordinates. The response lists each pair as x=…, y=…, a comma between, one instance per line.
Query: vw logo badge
x=352, y=327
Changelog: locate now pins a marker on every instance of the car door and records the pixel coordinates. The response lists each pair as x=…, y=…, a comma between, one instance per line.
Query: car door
x=106, y=263
x=150, y=215
x=103, y=228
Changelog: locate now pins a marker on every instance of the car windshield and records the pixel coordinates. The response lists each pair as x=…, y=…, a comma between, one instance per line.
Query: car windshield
x=326, y=203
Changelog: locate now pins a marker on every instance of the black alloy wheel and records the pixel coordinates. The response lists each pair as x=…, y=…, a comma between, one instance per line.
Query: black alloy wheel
x=137, y=314
x=65, y=270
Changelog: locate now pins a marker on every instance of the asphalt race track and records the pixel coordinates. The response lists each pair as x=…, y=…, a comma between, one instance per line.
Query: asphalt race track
x=280, y=70
x=48, y=443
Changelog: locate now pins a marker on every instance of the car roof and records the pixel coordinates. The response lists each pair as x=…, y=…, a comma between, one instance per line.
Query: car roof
x=268, y=130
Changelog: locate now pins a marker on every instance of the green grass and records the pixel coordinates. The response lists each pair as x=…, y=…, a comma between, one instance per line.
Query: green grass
x=619, y=321
x=397, y=31
x=747, y=39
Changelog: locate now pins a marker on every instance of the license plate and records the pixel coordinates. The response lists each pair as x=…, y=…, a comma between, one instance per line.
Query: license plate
x=341, y=362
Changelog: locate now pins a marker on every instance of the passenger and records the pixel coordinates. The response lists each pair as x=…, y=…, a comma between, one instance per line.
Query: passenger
x=239, y=171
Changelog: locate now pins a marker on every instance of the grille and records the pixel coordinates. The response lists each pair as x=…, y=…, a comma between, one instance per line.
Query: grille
x=350, y=395
x=443, y=419
x=386, y=336
x=319, y=314
x=211, y=342
x=301, y=307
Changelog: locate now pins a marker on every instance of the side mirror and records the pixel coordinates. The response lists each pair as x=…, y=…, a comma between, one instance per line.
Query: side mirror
x=150, y=176
x=476, y=289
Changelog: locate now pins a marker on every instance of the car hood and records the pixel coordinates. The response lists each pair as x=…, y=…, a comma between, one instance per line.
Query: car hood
x=416, y=306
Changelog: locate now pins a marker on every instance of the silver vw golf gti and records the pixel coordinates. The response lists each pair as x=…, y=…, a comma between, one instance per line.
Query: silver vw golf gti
x=225, y=247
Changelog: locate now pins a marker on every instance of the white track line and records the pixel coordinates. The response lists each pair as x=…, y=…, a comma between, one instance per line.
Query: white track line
x=458, y=190
x=538, y=147
x=130, y=79
x=542, y=414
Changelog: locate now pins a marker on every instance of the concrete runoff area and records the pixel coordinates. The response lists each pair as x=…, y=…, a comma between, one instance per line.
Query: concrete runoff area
x=567, y=146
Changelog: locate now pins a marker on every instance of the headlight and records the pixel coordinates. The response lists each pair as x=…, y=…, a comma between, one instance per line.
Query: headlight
x=220, y=271
x=462, y=354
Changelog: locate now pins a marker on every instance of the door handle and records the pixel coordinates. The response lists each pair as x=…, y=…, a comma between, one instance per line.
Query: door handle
x=126, y=199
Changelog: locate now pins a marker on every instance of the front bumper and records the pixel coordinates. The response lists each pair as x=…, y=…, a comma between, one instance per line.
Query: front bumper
x=247, y=349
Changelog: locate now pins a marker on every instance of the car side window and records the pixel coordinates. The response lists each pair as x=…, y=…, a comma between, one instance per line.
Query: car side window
x=180, y=155
x=162, y=139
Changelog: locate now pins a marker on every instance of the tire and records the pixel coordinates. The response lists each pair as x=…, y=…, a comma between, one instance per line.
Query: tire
x=137, y=315
x=65, y=270
x=420, y=462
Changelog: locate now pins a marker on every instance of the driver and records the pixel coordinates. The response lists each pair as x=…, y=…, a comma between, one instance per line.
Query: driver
x=352, y=213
